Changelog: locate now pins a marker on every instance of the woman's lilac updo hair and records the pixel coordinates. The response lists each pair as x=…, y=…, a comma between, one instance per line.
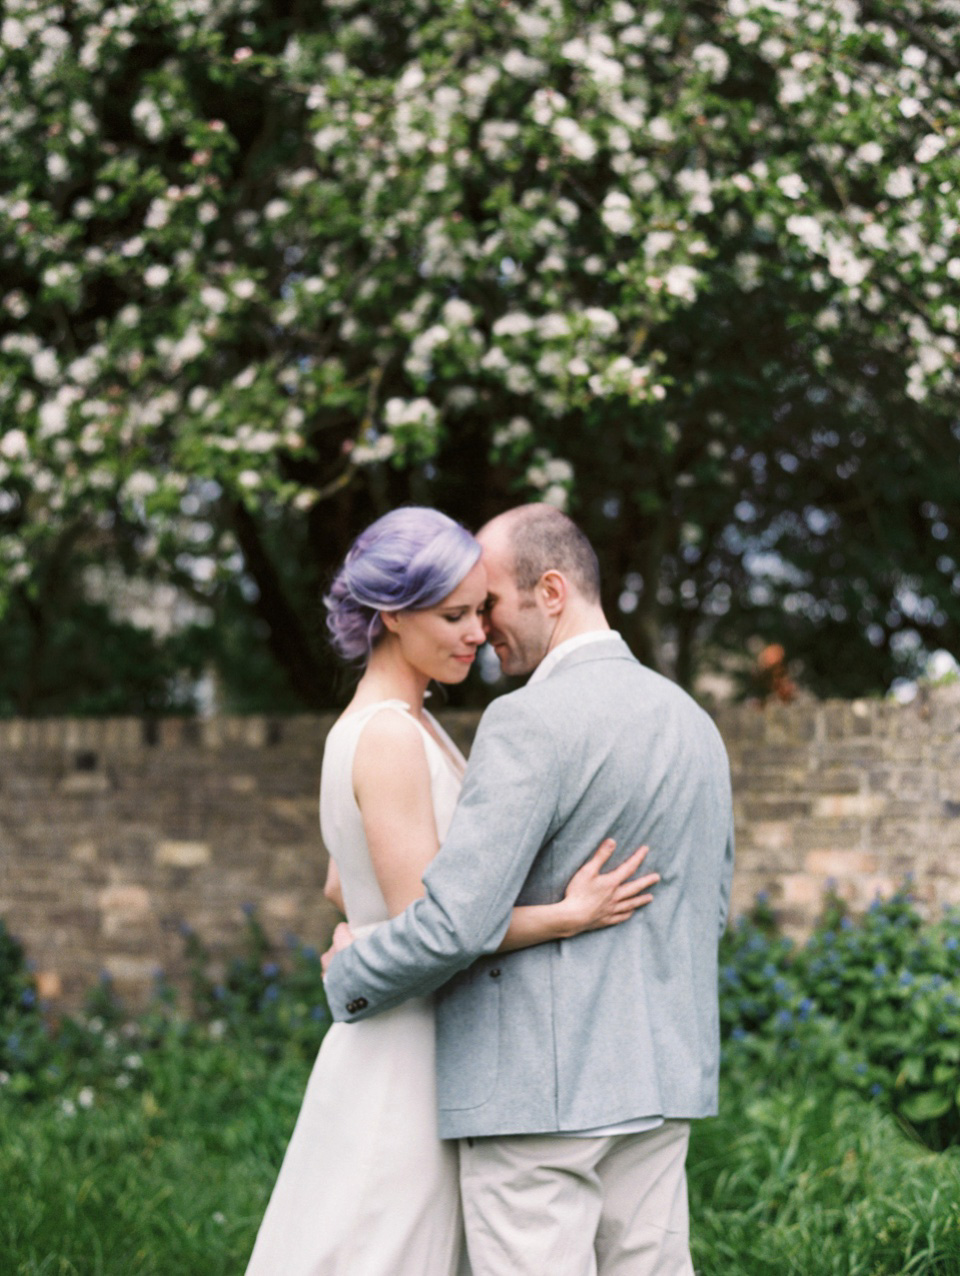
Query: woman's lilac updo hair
x=406, y=561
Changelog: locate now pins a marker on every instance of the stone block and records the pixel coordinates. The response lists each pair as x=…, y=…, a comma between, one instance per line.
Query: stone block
x=800, y=891
x=848, y=806
x=840, y=863
x=242, y=783
x=788, y=724
x=771, y=835
x=130, y=970
x=128, y=901
x=834, y=780
x=86, y=783
x=49, y=985
x=182, y=854
x=282, y=906
x=84, y=852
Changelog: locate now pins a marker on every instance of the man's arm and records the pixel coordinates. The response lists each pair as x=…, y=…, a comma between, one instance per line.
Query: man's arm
x=726, y=878
x=506, y=813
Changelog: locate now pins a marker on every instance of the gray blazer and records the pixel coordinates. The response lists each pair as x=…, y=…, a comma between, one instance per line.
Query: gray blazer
x=613, y=1024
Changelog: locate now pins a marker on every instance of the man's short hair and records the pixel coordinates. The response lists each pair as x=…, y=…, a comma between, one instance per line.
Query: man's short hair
x=542, y=538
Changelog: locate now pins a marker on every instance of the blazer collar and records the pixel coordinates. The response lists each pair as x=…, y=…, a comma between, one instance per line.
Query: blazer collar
x=614, y=649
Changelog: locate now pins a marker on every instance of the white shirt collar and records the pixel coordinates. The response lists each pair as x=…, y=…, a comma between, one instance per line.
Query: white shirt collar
x=553, y=658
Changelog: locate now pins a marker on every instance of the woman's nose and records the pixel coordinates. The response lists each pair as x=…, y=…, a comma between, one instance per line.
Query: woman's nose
x=477, y=634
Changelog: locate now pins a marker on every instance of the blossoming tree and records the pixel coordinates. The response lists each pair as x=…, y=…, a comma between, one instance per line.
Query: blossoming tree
x=692, y=271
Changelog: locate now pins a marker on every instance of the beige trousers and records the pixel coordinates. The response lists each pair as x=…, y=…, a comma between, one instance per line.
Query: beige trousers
x=550, y=1205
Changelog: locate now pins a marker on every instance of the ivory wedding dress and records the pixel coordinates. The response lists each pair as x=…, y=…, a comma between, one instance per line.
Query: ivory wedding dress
x=366, y=1187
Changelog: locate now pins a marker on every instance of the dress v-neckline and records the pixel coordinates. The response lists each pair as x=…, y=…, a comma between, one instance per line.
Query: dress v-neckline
x=439, y=741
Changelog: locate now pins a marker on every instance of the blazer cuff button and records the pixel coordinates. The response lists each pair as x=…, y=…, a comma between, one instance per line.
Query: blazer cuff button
x=361, y=1003
x=495, y=973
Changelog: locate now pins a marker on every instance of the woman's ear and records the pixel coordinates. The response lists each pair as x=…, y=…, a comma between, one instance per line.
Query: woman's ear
x=389, y=621
x=553, y=591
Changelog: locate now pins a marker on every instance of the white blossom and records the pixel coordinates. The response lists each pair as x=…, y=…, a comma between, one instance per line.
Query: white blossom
x=513, y=324
x=14, y=446
x=930, y=146
x=900, y=183
x=156, y=276
x=792, y=185
x=870, y=152
x=616, y=213
x=576, y=139
x=711, y=59
x=603, y=322
x=140, y=484
x=681, y=281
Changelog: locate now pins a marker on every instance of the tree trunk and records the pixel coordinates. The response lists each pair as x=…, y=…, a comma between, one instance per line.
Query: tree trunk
x=287, y=639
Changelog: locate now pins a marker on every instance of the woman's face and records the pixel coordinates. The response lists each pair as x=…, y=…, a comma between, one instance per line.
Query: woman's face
x=441, y=642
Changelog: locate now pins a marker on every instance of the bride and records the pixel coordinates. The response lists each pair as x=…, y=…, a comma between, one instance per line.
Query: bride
x=366, y=1187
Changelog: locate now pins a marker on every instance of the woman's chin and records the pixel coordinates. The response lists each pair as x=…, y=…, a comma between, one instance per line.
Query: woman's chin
x=451, y=677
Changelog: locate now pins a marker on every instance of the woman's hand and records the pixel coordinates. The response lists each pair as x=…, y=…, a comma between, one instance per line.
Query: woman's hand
x=595, y=899
x=342, y=938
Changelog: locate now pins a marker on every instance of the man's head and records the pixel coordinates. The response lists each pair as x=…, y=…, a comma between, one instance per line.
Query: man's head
x=543, y=584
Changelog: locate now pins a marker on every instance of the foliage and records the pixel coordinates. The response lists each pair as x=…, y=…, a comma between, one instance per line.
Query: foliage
x=272, y=268
x=875, y=1003
x=151, y=1144
x=799, y=1177
x=277, y=1007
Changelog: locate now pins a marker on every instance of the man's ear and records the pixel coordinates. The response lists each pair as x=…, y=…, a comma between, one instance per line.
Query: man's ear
x=553, y=590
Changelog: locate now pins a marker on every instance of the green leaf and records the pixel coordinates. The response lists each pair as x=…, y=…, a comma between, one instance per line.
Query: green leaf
x=929, y=1106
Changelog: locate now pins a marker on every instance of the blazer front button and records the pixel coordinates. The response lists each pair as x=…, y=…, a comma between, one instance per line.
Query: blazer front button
x=495, y=973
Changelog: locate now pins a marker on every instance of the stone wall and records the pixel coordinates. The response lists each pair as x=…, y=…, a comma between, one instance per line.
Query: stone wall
x=851, y=796
x=114, y=834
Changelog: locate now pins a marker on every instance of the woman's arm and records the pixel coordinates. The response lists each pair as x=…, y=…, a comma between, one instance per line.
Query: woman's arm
x=391, y=779
x=592, y=901
x=332, y=889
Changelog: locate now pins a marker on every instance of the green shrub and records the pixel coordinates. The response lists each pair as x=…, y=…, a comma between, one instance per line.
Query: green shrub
x=874, y=1001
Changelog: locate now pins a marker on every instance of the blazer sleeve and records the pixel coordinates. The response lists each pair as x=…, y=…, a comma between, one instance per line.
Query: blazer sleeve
x=726, y=880
x=507, y=811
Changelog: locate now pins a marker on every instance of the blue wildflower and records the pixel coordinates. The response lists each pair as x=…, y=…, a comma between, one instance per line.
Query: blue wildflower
x=876, y=1089
x=906, y=979
x=270, y=969
x=880, y=970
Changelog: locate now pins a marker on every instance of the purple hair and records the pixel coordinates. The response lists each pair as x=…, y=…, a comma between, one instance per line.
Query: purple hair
x=406, y=561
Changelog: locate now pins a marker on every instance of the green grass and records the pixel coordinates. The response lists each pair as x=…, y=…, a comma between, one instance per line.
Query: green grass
x=800, y=1179
x=169, y=1177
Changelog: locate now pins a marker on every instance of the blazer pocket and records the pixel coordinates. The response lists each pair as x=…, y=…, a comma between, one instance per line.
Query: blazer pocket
x=468, y=1038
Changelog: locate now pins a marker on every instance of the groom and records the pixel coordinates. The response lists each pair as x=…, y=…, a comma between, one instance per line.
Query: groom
x=570, y=1071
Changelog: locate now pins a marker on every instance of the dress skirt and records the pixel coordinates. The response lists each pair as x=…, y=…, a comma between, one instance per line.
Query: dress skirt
x=366, y=1187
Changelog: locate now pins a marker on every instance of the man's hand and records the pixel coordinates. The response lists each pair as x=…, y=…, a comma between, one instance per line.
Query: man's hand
x=342, y=938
